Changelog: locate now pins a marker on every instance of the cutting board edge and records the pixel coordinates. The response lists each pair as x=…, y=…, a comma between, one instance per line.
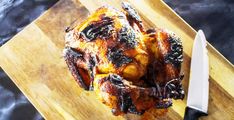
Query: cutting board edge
x=208, y=43
x=23, y=91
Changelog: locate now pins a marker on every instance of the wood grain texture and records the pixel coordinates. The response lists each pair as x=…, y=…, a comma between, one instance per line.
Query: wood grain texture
x=33, y=59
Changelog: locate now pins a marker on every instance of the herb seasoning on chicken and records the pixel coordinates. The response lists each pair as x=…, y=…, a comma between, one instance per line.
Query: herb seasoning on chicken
x=130, y=69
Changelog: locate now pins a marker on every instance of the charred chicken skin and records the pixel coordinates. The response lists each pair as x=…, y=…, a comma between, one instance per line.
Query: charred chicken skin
x=130, y=69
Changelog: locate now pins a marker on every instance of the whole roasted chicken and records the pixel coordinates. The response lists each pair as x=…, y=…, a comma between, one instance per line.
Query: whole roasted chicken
x=130, y=69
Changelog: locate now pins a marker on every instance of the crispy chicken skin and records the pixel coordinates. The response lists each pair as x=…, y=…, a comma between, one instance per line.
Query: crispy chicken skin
x=130, y=69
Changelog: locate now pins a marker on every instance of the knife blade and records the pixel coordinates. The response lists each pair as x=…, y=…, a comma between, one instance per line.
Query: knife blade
x=198, y=92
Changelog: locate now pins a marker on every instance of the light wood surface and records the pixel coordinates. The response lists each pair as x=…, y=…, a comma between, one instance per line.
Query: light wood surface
x=33, y=60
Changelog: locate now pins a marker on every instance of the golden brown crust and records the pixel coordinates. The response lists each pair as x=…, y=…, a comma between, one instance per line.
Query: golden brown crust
x=130, y=69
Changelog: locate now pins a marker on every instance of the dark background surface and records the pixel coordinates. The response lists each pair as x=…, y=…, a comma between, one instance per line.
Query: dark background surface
x=215, y=17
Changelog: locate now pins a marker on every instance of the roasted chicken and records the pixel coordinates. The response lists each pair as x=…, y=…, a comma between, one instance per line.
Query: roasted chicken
x=130, y=69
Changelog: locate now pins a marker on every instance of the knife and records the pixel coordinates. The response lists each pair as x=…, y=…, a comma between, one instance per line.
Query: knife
x=198, y=91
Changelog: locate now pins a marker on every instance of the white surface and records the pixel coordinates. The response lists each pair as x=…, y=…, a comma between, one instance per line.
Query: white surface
x=198, y=91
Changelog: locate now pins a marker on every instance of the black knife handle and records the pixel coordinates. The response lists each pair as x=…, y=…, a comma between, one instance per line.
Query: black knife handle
x=193, y=114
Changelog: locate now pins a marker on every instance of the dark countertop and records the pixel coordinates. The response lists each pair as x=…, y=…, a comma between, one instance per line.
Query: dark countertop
x=215, y=17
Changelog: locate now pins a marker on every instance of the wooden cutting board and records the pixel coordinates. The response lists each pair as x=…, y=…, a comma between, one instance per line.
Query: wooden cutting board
x=33, y=60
